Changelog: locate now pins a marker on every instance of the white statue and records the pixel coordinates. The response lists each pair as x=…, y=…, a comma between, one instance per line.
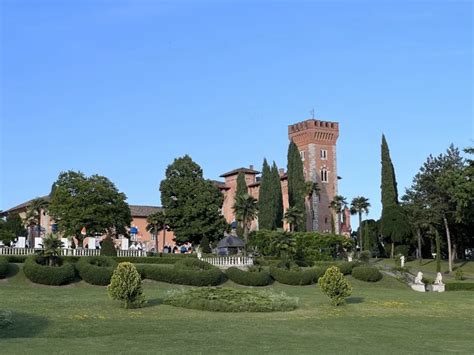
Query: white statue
x=439, y=279
x=402, y=261
x=419, y=278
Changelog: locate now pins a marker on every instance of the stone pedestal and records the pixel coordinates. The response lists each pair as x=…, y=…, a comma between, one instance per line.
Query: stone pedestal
x=418, y=288
x=21, y=243
x=124, y=244
x=437, y=288
x=38, y=243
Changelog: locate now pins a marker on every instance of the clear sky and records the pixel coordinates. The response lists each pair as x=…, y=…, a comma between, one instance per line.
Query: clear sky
x=121, y=88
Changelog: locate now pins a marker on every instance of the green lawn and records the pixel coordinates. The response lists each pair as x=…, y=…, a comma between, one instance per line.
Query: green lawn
x=386, y=317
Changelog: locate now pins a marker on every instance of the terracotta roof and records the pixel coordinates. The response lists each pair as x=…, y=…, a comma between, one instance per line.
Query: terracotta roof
x=241, y=170
x=23, y=205
x=144, y=211
x=255, y=184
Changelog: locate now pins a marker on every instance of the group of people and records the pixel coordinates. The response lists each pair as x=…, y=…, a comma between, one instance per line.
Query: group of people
x=183, y=249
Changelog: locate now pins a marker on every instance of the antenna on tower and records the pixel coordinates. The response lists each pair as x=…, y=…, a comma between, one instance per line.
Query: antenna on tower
x=312, y=113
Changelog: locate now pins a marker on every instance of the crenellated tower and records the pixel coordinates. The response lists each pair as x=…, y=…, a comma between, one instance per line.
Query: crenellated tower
x=316, y=141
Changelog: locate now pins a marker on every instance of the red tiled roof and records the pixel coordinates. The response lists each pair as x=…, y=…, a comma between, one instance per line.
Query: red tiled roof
x=241, y=170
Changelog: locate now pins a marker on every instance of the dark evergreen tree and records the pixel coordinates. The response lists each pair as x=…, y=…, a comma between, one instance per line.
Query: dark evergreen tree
x=266, y=199
x=278, y=196
x=242, y=188
x=192, y=204
x=296, y=183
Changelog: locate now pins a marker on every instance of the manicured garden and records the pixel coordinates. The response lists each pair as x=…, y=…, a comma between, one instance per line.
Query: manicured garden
x=384, y=316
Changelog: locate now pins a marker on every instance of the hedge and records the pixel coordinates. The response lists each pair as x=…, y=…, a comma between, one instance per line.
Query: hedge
x=249, y=278
x=48, y=275
x=367, y=273
x=3, y=267
x=345, y=267
x=182, y=275
x=96, y=270
x=164, y=259
x=296, y=277
x=20, y=259
x=459, y=286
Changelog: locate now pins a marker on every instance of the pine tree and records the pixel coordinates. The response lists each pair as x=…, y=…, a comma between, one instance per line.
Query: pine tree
x=278, y=196
x=266, y=202
x=296, y=183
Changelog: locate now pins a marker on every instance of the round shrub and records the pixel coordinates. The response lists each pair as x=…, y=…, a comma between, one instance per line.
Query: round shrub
x=367, y=273
x=37, y=272
x=182, y=275
x=249, y=278
x=194, y=264
x=107, y=247
x=296, y=276
x=364, y=256
x=126, y=286
x=230, y=300
x=335, y=285
x=96, y=270
x=3, y=267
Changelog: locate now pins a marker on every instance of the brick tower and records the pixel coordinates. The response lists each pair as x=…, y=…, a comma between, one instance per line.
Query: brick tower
x=316, y=141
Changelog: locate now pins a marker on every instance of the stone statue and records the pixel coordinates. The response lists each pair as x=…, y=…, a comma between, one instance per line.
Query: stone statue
x=439, y=279
x=419, y=278
x=402, y=261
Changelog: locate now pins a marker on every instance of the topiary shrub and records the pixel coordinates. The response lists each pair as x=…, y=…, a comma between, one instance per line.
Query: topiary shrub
x=367, y=273
x=182, y=275
x=335, y=286
x=364, y=256
x=459, y=286
x=344, y=266
x=253, y=277
x=205, y=245
x=3, y=267
x=96, y=270
x=107, y=247
x=161, y=259
x=459, y=275
x=296, y=276
x=230, y=300
x=37, y=271
x=126, y=286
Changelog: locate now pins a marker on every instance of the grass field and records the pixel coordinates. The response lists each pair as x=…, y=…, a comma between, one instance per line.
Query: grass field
x=386, y=317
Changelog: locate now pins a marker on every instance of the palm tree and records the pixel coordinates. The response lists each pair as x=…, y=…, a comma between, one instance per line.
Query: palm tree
x=157, y=222
x=33, y=217
x=293, y=217
x=337, y=205
x=359, y=205
x=246, y=210
x=285, y=245
x=51, y=249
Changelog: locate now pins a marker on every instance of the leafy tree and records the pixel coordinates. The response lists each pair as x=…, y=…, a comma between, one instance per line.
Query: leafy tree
x=11, y=228
x=94, y=203
x=205, y=246
x=266, y=201
x=126, y=286
x=157, y=222
x=338, y=204
x=245, y=209
x=293, y=217
x=278, y=197
x=296, y=183
x=335, y=285
x=192, y=204
x=33, y=218
x=360, y=205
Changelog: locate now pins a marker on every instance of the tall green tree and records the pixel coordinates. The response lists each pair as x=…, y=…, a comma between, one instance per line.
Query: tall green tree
x=393, y=221
x=157, y=222
x=192, y=203
x=338, y=204
x=246, y=210
x=242, y=188
x=278, y=197
x=266, y=200
x=360, y=205
x=296, y=183
x=293, y=217
x=11, y=227
x=94, y=203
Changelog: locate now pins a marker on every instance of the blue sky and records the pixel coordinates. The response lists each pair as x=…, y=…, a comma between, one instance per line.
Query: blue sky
x=121, y=88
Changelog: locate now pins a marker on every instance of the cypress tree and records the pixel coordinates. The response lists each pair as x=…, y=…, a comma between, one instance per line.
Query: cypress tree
x=266, y=201
x=296, y=183
x=242, y=188
x=278, y=196
x=389, y=184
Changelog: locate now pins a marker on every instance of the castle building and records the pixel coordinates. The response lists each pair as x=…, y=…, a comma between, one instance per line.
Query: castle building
x=316, y=141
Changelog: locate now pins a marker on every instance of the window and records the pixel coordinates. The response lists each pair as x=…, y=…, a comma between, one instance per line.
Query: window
x=324, y=175
x=302, y=155
x=324, y=154
x=152, y=236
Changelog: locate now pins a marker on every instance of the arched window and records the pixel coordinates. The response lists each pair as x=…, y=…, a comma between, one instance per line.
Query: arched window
x=324, y=175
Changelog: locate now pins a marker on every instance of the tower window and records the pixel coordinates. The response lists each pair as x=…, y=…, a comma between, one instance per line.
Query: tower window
x=324, y=175
x=302, y=155
x=324, y=154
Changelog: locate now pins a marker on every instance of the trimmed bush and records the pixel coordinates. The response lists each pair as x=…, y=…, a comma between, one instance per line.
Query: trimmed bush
x=367, y=273
x=96, y=270
x=335, y=286
x=182, y=275
x=37, y=272
x=459, y=286
x=231, y=300
x=3, y=267
x=126, y=286
x=249, y=278
x=296, y=276
x=163, y=259
x=459, y=275
x=194, y=264
x=107, y=247
x=344, y=266
x=20, y=259
x=364, y=256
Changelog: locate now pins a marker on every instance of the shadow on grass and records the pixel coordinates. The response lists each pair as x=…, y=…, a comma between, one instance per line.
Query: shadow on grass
x=354, y=300
x=428, y=262
x=153, y=302
x=23, y=325
x=13, y=269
